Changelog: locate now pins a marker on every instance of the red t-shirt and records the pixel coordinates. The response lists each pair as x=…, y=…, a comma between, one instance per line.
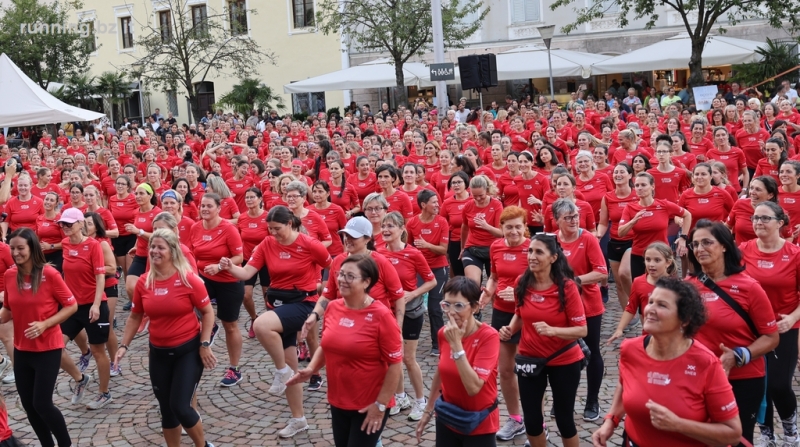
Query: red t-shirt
x=750, y=144
x=535, y=187
x=482, y=351
x=615, y=206
x=594, y=190
x=364, y=187
x=508, y=190
x=227, y=208
x=170, y=305
x=623, y=155
x=408, y=262
x=508, y=263
x=400, y=202
x=412, y=198
x=714, y=205
x=238, y=189
x=27, y=307
x=374, y=330
x=123, y=210
x=724, y=325
x=640, y=295
x=82, y=262
x=584, y=255
x=48, y=231
x=652, y=227
x=184, y=229
x=6, y=262
x=316, y=226
x=144, y=221
x=778, y=274
x=544, y=305
x=735, y=162
x=335, y=220
x=700, y=149
x=108, y=219
x=23, y=214
x=453, y=212
x=41, y=192
x=253, y=230
x=670, y=185
x=766, y=168
x=693, y=386
x=349, y=198
x=491, y=213
x=211, y=245
x=790, y=202
x=387, y=290
x=293, y=266
x=434, y=232
x=687, y=160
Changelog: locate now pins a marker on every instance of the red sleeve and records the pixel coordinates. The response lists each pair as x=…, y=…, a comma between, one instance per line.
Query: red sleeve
x=234, y=240
x=487, y=354
x=320, y=254
x=323, y=234
x=60, y=290
x=673, y=209
x=391, y=280
x=389, y=339
x=331, y=290
x=407, y=209
x=548, y=219
x=199, y=295
x=574, y=307
x=138, y=291
x=98, y=260
x=423, y=270
x=341, y=219
x=760, y=310
x=257, y=258
x=728, y=205
x=719, y=398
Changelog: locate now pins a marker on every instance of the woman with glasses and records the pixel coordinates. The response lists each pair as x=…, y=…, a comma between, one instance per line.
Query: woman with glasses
x=76, y=200
x=649, y=218
x=357, y=418
x=775, y=264
x=565, y=189
x=670, y=180
x=740, y=338
x=550, y=314
x=452, y=211
x=294, y=261
x=762, y=189
x=295, y=194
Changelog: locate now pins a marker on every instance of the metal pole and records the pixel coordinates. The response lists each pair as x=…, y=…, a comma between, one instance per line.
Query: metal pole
x=550, y=66
x=480, y=93
x=438, y=56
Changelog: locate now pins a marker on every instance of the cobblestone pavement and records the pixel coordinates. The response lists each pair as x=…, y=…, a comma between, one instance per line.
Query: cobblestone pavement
x=246, y=414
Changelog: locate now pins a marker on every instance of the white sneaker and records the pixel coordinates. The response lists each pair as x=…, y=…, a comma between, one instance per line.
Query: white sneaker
x=295, y=426
x=400, y=405
x=510, y=430
x=10, y=378
x=279, y=382
x=791, y=441
x=4, y=365
x=417, y=410
x=764, y=441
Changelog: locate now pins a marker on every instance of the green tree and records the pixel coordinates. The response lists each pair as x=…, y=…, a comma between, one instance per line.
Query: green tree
x=78, y=90
x=192, y=51
x=401, y=28
x=114, y=88
x=36, y=34
x=248, y=95
x=778, y=13
x=778, y=57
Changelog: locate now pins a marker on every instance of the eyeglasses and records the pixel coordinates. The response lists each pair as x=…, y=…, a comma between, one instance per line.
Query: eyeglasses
x=374, y=209
x=459, y=307
x=663, y=152
x=703, y=242
x=763, y=219
x=456, y=183
x=66, y=224
x=293, y=197
x=571, y=218
x=347, y=277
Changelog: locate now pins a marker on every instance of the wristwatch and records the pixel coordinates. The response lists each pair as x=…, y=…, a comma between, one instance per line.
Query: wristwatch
x=141, y=232
x=205, y=344
x=458, y=355
x=381, y=407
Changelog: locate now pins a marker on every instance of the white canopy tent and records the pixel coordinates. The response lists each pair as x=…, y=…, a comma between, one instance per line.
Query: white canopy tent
x=675, y=52
x=374, y=74
x=530, y=61
x=27, y=104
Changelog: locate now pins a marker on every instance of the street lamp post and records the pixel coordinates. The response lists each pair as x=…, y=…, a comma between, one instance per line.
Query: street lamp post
x=547, y=35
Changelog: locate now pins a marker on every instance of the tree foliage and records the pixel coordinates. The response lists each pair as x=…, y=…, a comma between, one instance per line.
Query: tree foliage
x=78, y=90
x=191, y=52
x=248, y=95
x=778, y=58
x=43, y=39
x=401, y=28
x=710, y=15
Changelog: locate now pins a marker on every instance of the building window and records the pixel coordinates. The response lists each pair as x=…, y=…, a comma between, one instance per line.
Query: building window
x=91, y=41
x=308, y=103
x=126, y=28
x=608, y=6
x=525, y=11
x=303, y=11
x=172, y=102
x=200, y=18
x=165, y=26
x=237, y=13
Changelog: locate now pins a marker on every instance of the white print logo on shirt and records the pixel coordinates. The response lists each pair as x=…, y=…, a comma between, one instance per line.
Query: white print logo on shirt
x=772, y=323
x=460, y=207
x=785, y=258
x=622, y=204
x=480, y=215
x=482, y=371
x=709, y=296
x=161, y=292
x=703, y=200
x=73, y=252
x=120, y=204
x=765, y=264
x=527, y=187
x=579, y=319
x=723, y=157
x=691, y=370
x=658, y=378
x=509, y=257
x=177, y=283
x=252, y=225
x=207, y=238
x=219, y=231
x=567, y=253
x=46, y=224
x=346, y=322
x=24, y=207
x=368, y=317
x=142, y=219
x=395, y=355
x=788, y=200
x=728, y=407
x=666, y=180
x=588, y=187
x=734, y=289
x=536, y=298
x=647, y=214
x=426, y=231
x=394, y=261
x=284, y=255
x=26, y=286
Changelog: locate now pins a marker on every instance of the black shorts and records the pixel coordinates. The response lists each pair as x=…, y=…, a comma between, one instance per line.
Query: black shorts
x=262, y=274
x=292, y=317
x=500, y=319
x=412, y=327
x=138, y=266
x=97, y=331
x=123, y=244
x=475, y=256
x=229, y=296
x=56, y=258
x=616, y=249
x=112, y=292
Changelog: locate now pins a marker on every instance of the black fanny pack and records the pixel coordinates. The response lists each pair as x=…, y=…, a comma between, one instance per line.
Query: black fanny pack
x=279, y=297
x=458, y=419
x=526, y=366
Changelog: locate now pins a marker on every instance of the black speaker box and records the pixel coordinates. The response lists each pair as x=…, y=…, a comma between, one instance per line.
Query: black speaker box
x=478, y=71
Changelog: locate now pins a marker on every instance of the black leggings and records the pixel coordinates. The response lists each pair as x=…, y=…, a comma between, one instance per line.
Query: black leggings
x=748, y=393
x=595, y=368
x=174, y=374
x=448, y=438
x=564, y=381
x=36, y=374
x=346, y=425
x=453, y=252
x=780, y=372
x=442, y=274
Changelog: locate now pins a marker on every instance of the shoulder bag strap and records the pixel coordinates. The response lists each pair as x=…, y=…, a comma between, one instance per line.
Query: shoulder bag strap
x=560, y=351
x=730, y=301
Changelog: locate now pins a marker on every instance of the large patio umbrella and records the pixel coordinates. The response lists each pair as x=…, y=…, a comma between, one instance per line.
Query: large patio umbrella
x=531, y=62
x=374, y=74
x=675, y=52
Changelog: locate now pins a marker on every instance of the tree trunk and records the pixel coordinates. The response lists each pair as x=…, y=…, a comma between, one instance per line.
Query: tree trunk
x=401, y=84
x=696, y=78
x=193, y=103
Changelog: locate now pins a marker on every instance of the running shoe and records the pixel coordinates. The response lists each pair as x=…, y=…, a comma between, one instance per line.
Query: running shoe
x=434, y=352
x=83, y=362
x=295, y=426
x=4, y=364
x=591, y=412
x=127, y=307
x=214, y=331
x=400, y=405
x=116, y=369
x=80, y=389
x=101, y=401
x=302, y=352
x=511, y=430
x=232, y=377
x=417, y=410
x=764, y=441
x=791, y=441
x=279, y=382
x=250, y=332
x=144, y=325
x=315, y=383
x=10, y=378
x=632, y=325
